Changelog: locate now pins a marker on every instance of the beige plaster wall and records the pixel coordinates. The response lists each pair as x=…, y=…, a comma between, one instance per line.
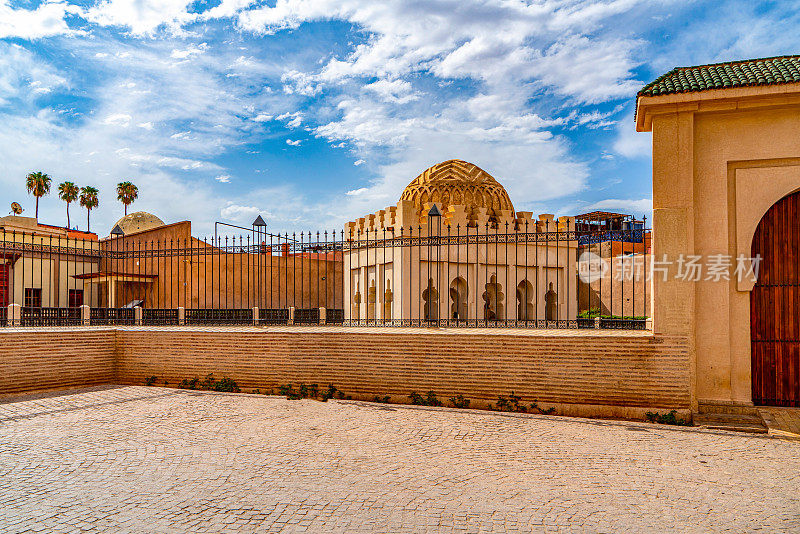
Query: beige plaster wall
x=718, y=165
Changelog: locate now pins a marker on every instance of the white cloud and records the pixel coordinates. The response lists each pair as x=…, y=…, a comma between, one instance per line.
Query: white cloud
x=118, y=119
x=636, y=207
x=293, y=120
x=293, y=142
x=189, y=51
x=630, y=143
x=145, y=125
x=223, y=178
x=262, y=117
x=395, y=91
x=142, y=17
x=238, y=213
x=359, y=162
x=46, y=20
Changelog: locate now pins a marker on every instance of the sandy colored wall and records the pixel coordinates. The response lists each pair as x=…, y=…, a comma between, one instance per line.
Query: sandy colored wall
x=591, y=375
x=36, y=360
x=194, y=274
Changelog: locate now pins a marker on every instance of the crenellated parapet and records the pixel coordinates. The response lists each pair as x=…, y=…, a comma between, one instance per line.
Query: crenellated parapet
x=405, y=218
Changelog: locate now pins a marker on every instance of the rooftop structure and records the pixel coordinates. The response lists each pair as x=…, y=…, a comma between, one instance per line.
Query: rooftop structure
x=747, y=73
x=138, y=222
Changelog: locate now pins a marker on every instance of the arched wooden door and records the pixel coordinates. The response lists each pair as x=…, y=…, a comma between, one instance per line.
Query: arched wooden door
x=775, y=306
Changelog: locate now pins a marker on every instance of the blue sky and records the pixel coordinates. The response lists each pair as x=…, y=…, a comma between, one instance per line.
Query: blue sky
x=313, y=113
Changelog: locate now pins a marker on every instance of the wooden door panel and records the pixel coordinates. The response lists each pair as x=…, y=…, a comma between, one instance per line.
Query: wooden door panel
x=775, y=306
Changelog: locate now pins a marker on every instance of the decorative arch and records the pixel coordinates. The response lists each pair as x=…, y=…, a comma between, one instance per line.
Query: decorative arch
x=757, y=190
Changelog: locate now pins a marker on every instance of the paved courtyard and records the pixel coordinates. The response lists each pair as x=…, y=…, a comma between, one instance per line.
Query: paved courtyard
x=136, y=459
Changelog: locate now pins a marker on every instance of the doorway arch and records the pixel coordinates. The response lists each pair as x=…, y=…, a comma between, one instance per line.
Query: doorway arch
x=775, y=306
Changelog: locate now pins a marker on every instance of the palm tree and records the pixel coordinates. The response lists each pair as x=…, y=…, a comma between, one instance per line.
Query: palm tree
x=68, y=192
x=38, y=184
x=89, y=201
x=127, y=193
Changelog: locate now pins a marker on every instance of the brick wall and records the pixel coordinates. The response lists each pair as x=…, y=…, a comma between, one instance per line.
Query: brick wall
x=34, y=360
x=593, y=375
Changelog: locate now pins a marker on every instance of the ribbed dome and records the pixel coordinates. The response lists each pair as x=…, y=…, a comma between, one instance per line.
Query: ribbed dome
x=458, y=182
x=138, y=221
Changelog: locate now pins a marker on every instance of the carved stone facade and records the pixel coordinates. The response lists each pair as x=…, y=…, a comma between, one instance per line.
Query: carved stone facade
x=480, y=260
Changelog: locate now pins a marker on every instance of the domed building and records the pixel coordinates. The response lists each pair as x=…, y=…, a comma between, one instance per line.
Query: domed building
x=456, y=182
x=452, y=250
x=138, y=221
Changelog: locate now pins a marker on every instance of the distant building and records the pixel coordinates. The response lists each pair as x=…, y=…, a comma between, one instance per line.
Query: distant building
x=484, y=262
x=40, y=264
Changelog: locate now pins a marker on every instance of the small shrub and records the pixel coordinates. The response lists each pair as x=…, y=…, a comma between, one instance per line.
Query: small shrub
x=670, y=418
x=150, y=380
x=459, y=401
x=549, y=411
x=289, y=392
x=209, y=383
x=509, y=404
x=329, y=393
x=227, y=385
x=429, y=399
x=384, y=399
x=417, y=399
x=189, y=384
x=311, y=391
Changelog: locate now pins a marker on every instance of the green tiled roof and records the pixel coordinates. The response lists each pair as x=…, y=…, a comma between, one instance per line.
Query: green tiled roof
x=767, y=71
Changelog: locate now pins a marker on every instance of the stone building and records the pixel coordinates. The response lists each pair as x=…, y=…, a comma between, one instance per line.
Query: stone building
x=39, y=264
x=453, y=248
x=726, y=185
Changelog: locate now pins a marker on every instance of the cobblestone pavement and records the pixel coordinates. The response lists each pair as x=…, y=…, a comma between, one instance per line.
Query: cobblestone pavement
x=136, y=459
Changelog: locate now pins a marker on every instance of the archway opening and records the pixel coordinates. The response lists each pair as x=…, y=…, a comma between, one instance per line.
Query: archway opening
x=431, y=298
x=551, y=304
x=458, y=299
x=493, y=298
x=525, y=297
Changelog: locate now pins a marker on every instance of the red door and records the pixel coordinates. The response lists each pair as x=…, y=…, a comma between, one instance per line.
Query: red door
x=775, y=306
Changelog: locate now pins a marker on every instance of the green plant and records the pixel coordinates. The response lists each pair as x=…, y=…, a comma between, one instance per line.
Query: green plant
x=509, y=404
x=209, y=383
x=290, y=393
x=150, y=380
x=670, y=418
x=429, y=399
x=595, y=312
x=384, y=399
x=459, y=401
x=189, y=384
x=226, y=384
x=550, y=411
x=329, y=393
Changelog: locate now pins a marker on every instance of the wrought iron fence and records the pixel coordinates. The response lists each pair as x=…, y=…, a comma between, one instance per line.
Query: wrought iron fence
x=514, y=273
x=111, y=316
x=33, y=316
